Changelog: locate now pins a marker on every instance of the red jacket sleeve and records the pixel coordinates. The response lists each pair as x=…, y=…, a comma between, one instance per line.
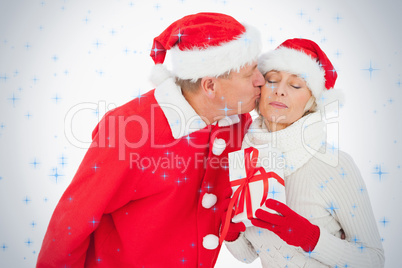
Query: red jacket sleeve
x=97, y=188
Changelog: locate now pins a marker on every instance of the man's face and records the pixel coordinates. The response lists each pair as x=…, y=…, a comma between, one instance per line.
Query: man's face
x=238, y=93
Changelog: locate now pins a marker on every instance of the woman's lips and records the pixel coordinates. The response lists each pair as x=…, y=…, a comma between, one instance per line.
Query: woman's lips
x=278, y=105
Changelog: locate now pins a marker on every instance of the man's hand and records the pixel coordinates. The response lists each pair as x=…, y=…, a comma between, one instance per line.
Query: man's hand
x=234, y=228
x=290, y=226
x=234, y=231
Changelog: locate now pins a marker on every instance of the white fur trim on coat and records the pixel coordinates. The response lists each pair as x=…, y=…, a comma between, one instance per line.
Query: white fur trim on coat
x=229, y=120
x=182, y=118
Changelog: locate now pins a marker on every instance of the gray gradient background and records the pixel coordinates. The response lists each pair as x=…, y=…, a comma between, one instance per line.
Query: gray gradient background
x=55, y=55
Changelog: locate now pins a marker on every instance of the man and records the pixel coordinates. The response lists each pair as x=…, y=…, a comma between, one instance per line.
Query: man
x=147, y=192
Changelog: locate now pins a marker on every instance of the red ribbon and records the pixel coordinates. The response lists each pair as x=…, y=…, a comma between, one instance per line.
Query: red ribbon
x=242, y=193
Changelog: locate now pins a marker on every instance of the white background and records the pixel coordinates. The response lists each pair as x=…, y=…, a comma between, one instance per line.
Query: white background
x=60, y=56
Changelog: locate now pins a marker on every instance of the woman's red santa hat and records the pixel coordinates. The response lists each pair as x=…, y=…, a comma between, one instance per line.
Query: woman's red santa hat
x=204, y=44
x=304, y=58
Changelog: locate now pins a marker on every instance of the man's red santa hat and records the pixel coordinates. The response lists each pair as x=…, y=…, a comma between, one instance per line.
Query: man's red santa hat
x=204, y=44
x=304, y=58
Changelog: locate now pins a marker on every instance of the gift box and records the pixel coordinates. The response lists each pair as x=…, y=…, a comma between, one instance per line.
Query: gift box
x=256, y=174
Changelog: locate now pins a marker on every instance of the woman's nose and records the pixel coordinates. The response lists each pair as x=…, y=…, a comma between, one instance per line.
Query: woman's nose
x=279, y=89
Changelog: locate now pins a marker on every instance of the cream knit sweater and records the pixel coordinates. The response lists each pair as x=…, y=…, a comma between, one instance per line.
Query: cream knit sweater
x=325, y=188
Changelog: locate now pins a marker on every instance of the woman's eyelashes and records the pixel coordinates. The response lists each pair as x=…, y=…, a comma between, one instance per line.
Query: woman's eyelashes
x=275, y=82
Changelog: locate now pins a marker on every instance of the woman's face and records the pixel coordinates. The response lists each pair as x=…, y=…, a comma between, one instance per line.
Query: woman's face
x=283, y=99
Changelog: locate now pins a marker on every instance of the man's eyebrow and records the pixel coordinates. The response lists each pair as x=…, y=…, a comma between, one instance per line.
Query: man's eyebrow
x=252, y=69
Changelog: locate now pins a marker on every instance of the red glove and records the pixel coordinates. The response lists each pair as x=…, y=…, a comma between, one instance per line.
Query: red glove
x=291, y=227
x=234, y=228
x=234, y=231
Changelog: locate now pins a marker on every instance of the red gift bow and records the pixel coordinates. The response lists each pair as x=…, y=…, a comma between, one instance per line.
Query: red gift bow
x=243, y=191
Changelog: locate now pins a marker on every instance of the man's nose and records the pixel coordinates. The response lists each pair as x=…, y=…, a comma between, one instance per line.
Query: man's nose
x=259, y=79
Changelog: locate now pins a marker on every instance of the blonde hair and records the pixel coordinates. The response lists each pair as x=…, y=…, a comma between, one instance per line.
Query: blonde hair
x=311, y=106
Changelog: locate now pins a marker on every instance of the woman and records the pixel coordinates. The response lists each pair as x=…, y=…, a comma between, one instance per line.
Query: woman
x=325, y=194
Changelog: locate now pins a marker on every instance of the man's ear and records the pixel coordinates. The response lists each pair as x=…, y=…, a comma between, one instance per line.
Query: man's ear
x=208, y=86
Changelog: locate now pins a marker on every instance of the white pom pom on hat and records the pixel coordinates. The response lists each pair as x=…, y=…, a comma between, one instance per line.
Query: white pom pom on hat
x=159, y=73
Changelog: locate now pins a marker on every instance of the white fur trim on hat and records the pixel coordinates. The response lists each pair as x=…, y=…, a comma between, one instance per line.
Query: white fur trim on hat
x=295, y=62
x=215, y=61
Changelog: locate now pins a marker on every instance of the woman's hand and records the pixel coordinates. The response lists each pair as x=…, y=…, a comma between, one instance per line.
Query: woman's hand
x=289, y=226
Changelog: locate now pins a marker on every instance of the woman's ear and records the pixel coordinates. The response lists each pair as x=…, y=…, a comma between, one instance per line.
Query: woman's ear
x=208, y=86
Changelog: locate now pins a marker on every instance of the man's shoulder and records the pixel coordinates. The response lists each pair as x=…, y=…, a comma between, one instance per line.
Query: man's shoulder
x=141, y=104
x=135, y=118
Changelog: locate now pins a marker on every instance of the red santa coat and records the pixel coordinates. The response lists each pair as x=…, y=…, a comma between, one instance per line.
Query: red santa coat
x=136, y=199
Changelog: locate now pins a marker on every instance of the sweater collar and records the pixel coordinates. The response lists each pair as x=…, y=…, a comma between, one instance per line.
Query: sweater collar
x=298, y=143
x=182, y=118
